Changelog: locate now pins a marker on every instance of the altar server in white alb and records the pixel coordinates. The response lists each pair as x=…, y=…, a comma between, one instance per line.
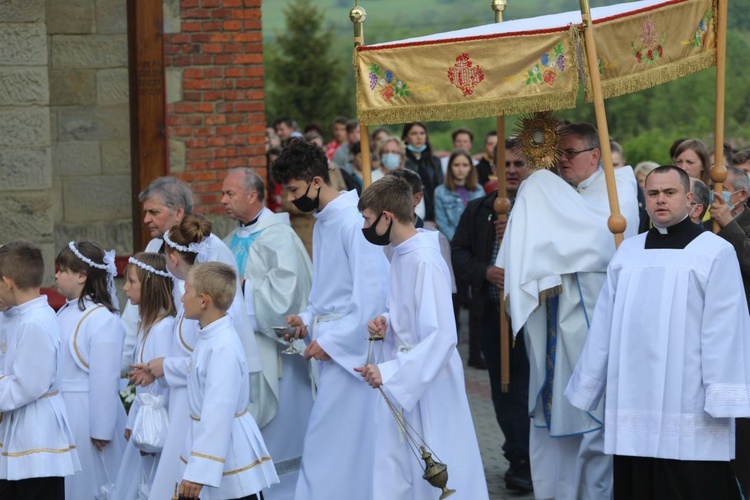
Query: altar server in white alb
x=149, y=286
x=224, y=456
x=420, y=369
x=92, y=336
x=349, y=286
x=555, y=256
x=276, y=276
x=38, y=448
x=669, y=344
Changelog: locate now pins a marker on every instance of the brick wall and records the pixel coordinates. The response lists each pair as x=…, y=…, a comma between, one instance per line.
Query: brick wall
x=215, y=112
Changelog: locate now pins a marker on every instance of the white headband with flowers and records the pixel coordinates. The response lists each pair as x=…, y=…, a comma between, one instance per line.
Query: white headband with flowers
x=202, y=248
x=149, y=268
x=108, y=265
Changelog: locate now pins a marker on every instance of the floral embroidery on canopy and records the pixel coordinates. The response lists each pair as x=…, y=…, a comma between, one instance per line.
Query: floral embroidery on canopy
x=699, y=37
x=465, y=75
x=547, y=69
x=389, y=85
x=651, y=47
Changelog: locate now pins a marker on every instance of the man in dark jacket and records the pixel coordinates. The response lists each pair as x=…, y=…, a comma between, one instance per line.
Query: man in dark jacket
x=474, y=249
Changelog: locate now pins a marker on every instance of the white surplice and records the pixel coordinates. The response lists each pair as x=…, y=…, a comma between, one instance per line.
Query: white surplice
x=277, y=277
x=350, y=279
x=560, y=245
x=137, y=470
x=670, y=343
x=90, y=377
x=34, y=431
x=423, y=375
x=224, y=449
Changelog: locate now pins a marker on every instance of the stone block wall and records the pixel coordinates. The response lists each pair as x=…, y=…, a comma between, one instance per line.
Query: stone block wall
x=26, y=186
x=90, y=130
x=215, y=114
x=65, y=165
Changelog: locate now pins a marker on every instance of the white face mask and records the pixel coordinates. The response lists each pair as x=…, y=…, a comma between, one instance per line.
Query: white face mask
x=391, y=161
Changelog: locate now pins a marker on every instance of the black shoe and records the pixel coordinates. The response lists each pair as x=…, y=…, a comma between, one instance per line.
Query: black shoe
x=477, y=362
x=518, y=476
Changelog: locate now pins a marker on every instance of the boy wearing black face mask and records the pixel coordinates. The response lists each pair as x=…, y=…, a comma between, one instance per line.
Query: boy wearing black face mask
x=420, y=367
x=349, y=284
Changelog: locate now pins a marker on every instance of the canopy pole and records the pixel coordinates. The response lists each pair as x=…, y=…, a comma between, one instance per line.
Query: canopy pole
x=358, y=15
x=616, y=221
x=718, y=171
x=502, y=207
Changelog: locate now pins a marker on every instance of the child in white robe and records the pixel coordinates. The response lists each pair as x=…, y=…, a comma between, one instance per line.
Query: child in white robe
x=149, y=286
x=225, y=456
x=92, y=337
x=37, y=444
x=349, y=285
x=420, y=370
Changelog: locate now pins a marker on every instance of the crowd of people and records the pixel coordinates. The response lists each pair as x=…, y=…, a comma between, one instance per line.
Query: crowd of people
x=262, y=349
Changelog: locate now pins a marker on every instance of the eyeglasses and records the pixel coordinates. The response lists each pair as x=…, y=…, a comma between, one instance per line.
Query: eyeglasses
x=572, y=153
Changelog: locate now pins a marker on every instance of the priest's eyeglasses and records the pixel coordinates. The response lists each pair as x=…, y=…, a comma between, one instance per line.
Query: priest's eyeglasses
x=572, y=153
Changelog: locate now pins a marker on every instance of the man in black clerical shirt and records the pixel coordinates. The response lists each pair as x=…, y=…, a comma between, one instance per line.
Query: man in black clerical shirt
x=683, y=336
x=669, y=214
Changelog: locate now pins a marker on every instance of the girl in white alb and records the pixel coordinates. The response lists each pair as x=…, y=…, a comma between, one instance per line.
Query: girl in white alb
x=149, y=286
x=91, y=336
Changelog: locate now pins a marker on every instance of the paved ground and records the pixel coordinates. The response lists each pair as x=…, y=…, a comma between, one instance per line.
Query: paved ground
x=488, y=432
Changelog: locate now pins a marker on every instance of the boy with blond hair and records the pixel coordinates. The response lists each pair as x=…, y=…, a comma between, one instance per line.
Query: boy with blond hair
x=225, y=456
x=37, y=444
x=421, y=369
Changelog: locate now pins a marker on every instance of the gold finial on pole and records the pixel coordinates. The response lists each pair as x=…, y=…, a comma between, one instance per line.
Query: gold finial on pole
x=358, y=16
x=499, y=6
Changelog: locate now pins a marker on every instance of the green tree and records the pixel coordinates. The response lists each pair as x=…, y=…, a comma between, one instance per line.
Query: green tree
x=303, y=75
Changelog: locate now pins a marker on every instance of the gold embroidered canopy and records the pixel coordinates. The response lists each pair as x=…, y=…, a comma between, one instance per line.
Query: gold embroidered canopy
x=532, y=65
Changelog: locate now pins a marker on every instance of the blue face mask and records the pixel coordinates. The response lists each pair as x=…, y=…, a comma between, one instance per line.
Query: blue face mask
x=391, y=161
x=415, y=149
x=724, y=194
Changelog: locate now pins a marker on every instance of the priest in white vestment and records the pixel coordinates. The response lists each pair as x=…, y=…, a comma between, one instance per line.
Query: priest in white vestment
x=350, y=279
x=417, y=365
x=669, y=344
x=555, y=255
x=276, y=276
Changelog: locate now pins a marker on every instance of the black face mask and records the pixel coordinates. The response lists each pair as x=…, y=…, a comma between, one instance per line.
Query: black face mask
x=305, y=204
x=373, y=237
